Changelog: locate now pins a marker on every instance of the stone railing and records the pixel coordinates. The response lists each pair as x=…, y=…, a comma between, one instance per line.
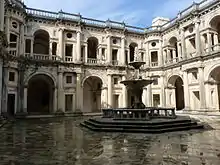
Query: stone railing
x=68, y=59
x=42, y=57
x=13, y=52
x=92, y=61
x=154, y=64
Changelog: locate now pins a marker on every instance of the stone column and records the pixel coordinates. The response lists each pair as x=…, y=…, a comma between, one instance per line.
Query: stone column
x=149, y=96
x=123, y=51
x=160, y=54
x=147, y=60
x=50, y=50
x=21, y=42
x=179, y=47
x=61, y=106
x=2, y=14
x=78, y=46
x=125, y=94
x=110, y=96
x=1, y=78
x=79, y=93
x=55, y=100
x=202, y=88
x=32, y=47
x=86, y=53
x=25, y=99
x=109, y=54
x=168, y=56
x=216, y=42
x=163, y=101
x=209, y=40
x=174, y=55
x=164, y=56
x=61, y=44
x=198, y=38
x=183, y=43
x=73, y=53
x=104, y=97
x=7, y=30
x=186, y=90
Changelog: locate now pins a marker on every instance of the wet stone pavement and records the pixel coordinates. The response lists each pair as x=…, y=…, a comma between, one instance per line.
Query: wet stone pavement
x=63, y=142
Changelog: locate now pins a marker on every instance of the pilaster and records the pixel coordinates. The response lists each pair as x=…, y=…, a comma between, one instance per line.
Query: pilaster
x=78, y=46
x=2, y=14
x=183, y=43
x=109, y=54
x=202, y=88
x=123, y=50
x=79, y=93
x=110, y=96
x=125, y=94
x=198, y=38
x=186, y=90
x=60, y=92
x=61, y=44
x=22, y=41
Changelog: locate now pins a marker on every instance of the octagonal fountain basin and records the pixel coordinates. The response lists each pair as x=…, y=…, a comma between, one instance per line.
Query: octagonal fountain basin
x=136, y=83
x=137, y=64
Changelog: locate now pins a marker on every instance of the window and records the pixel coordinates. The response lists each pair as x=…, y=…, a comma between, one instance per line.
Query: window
x=68, y=79
x=69, y=35
x=153, y=44
x=69, y=49
x=14, y=25
x=194, y=75
x=114, y=41
x=54, y=48
x=27, y=46
x=155, y=81
x=115, y=80
x=11, y=76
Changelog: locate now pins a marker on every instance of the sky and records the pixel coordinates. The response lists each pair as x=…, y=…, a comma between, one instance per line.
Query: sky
x=133, y=12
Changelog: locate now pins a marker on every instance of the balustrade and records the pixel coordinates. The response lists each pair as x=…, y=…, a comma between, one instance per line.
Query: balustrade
x=144, y=114
x=69, y=59
x=154, y=64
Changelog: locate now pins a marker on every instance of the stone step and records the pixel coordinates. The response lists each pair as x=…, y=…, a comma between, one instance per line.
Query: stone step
x=144, y=126
x=131, y=130
x=140, y=122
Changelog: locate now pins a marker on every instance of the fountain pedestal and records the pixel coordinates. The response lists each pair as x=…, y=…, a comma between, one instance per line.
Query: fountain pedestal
x=140, y=118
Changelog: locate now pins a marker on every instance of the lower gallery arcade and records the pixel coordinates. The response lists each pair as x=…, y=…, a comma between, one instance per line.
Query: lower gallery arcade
x=197, y=89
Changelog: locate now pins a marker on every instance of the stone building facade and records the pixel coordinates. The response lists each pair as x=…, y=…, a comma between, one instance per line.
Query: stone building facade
x=91, y=57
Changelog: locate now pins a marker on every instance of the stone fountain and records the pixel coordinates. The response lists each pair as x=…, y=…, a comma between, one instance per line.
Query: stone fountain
x=139, y=118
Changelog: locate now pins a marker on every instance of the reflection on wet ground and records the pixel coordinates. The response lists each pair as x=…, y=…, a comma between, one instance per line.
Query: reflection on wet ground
x=63, y=142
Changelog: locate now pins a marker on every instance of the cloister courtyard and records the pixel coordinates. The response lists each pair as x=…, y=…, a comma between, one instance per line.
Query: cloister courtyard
x=61, y=141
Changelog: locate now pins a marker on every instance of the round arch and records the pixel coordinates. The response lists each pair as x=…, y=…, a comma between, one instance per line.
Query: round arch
x=41, y=42
x=92, y=88
x=40, y=94
x=214, y=22
x=132, y=50
x=176, y=82
x=213, y=78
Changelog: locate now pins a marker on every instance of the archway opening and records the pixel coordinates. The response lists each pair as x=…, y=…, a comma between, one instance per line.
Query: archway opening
x=41, y=42
x=132, y=47
x=92, y=47
x=173, y=45
x=215, y=25
x=40, y=94
x=177, y=83
x=92, y=89
x=214, y=79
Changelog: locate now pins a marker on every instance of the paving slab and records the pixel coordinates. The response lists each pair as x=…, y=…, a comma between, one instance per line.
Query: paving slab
x=63, y=142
